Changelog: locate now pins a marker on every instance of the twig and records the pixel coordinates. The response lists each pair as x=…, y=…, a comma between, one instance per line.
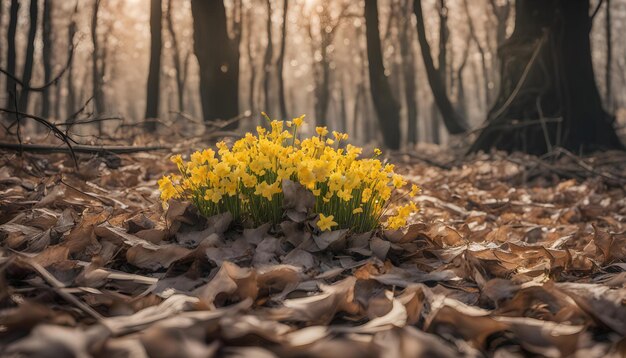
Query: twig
x=597, y=9
x=427, y=161
x=522, y=79
x=27, y=87
x=91, y=149
x=64, y=137
x=93, y=120
x=59, y=288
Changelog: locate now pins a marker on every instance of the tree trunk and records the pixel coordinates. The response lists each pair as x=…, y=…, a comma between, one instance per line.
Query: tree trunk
x=180, y=83
x=434, y=124
x=30, y=55
x=11, y=54
x=609, y=57
x=267, y=59
x=453, y=122
x=460, y=92
x=218, y=58
x=96, y=71
x=280, y=64
x=502, y=13
x=70, y=105
x=481, y=51
x=154, y=74
x=408, y=71
x=387, y=108
x=46, y=35
x=548, y=95
x=252, y=84
x=1, y=27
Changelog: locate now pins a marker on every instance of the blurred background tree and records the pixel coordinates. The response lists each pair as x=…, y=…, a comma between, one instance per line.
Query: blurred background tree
x=517, y=75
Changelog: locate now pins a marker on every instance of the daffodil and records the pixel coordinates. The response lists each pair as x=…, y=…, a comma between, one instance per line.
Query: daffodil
x=321, y=131
x=167, y=188
x=267, y=190
x=245, y=178
x=298, y=121
x=325, y=223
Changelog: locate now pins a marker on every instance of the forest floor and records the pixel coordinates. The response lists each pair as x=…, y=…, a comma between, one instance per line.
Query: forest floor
x=510, y=255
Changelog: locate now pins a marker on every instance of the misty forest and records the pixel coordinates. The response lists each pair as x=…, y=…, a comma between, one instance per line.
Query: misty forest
x=312, y=178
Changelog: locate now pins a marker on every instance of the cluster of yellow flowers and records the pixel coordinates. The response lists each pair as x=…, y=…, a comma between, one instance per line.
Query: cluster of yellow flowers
x=350, y=192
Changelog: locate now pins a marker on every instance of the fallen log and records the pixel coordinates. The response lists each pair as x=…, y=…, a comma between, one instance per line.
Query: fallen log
x=90, y=149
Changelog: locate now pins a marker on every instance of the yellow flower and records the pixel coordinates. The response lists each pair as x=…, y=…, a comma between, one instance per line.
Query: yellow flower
x=177, y=159
x=249, y=181
x=345, y=194
x=237, y=178
x=298, y=121
x=400, y=219
x=322, y=131
x=414, y=190
x=213, y=196
x=267, y=190
x=167, y=188
x=398, y=181
x=326, y=222
x=366, y=195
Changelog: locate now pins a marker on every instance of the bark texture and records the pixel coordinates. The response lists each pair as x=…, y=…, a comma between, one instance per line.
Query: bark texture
x=548, y=94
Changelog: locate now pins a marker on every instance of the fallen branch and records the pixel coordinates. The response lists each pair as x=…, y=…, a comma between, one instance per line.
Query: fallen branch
x=91, y=149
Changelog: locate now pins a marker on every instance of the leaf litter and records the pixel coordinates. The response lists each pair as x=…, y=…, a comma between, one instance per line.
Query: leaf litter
x=509, y=256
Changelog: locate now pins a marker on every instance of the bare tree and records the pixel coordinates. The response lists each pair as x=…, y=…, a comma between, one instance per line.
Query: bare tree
x=154, y=74
x=180, y=83
x=97, y=64
x=387, y=108
x=280, y=63
x=27, y=71
x=251, y=60
x=548, y=96
x=11, y=55
x=481, y=51
x=1, y=27
x=70, y=105
x=452, y=120
x=408, y=70
x=267, y=58
x=328, y=26
x=609, y=56
x=460, y=93
x=46, y=36
x=218, y=58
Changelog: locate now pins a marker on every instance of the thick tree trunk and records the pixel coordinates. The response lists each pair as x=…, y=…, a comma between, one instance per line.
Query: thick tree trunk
x=12, y=54
x=180, y=83
x=154, y=74
x=387, y=108
x=548, y=95
x=280, y=64
x=452, y=120
x=27, y=72
x=609, y=56
x=1, y=27
x=46, y=35
x=218, y=58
